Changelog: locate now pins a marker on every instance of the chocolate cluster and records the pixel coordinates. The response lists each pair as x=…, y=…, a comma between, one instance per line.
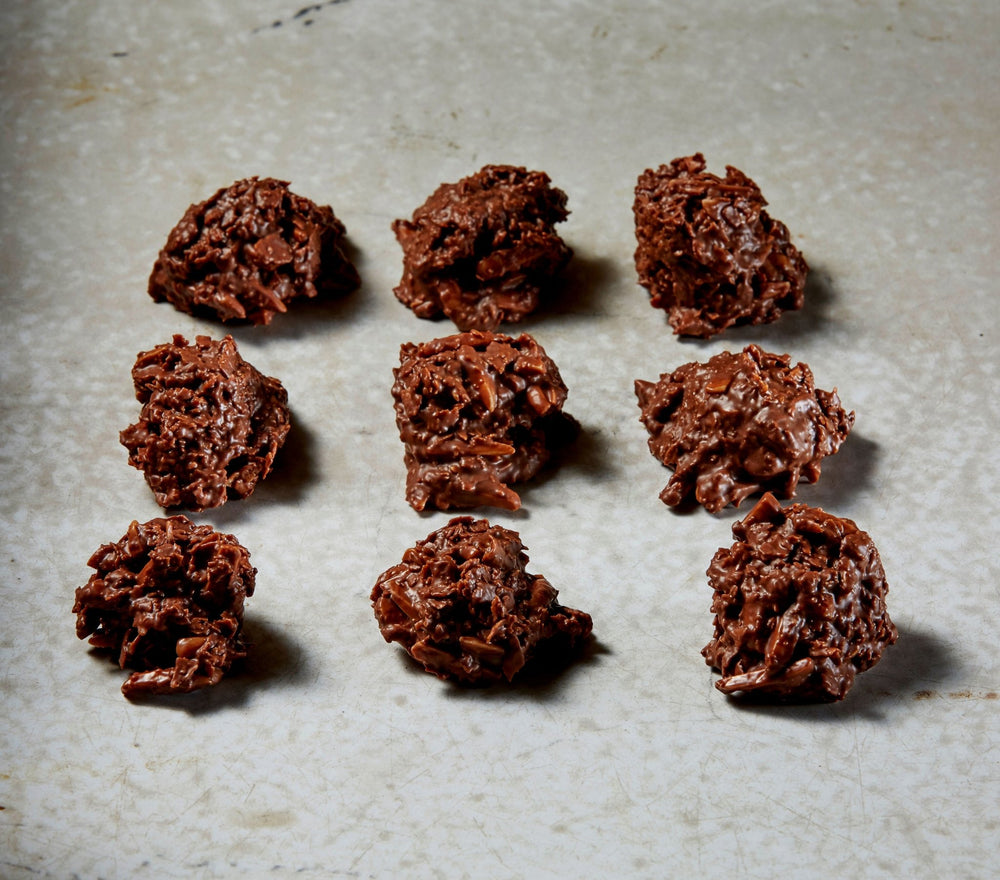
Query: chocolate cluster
x=167, y=601
x=210, y=423
x=708, y=252
x=484, y=250
x=799, y=605
x=476, y=411
x=739, y=424
x=463, y=606
x=245, y=253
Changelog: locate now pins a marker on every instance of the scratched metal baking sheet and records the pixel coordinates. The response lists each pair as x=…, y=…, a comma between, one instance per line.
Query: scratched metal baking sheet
x=871, y=129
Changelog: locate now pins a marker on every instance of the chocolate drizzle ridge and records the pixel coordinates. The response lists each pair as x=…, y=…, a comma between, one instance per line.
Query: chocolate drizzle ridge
x=167, y=601
x=799, y=605
x=462, y=605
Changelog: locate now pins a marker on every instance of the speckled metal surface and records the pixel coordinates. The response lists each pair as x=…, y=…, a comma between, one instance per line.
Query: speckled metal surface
x=871, y=129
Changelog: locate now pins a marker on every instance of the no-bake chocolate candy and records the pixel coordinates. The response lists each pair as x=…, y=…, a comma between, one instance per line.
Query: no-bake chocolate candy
x=210, y=423
x=249, y=250
x=476, y=411
x=739, y=424
x=484, y=250
x=708, y=252
x=799, y=605
x=167, y=601
x=462, y=605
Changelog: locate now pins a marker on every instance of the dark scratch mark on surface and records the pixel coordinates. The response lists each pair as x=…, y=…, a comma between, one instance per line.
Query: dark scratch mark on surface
x=303, y=16
x=956, y=695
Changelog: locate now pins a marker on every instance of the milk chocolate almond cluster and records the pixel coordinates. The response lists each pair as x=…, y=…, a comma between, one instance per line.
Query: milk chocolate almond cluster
x=167, y=601
x=210, y=423
x=708, y=252
x=476, y=411
x=484, y=250
x=246, y=252
x=799, y=605
x=462, y=604
x=739, y=424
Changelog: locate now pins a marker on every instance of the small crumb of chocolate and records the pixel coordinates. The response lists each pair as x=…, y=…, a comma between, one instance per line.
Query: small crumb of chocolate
x=483, y=251
x=167, y=601
x=210, y=424
x=708, y=252
x=245, y=253
x=740, y=424
x=799, y=605
x=463, y=606
x=477, y=411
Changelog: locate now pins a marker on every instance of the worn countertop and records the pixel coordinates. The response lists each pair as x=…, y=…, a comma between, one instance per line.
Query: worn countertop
x=872, y=129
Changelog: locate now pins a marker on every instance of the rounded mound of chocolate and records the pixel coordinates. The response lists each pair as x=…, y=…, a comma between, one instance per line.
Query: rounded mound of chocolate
x=210, y=423
x=246, y=252
x=476, y=411
x=462, y=604
x=740, y=424
x=708, y=252
x=167, y=601
x=799, y=604
x=484, y=250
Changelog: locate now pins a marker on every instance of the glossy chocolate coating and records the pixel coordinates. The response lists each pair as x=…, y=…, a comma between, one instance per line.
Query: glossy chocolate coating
x=739, y=424
x=167, y=601
x=476, y=411
x=462, y=605
x=210, y=423
x=708, y=252
x=799, y=605
x=246, y=252
x=483, y=251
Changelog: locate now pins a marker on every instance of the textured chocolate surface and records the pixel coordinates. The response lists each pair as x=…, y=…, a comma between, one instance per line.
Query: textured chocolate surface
x=462, y=604
x=167, y=601
x=799, y=605
x=739, y=424
x=484, y=250
x=210, y=423
x=708, y=252
x=246, y=252
x=477, y=411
